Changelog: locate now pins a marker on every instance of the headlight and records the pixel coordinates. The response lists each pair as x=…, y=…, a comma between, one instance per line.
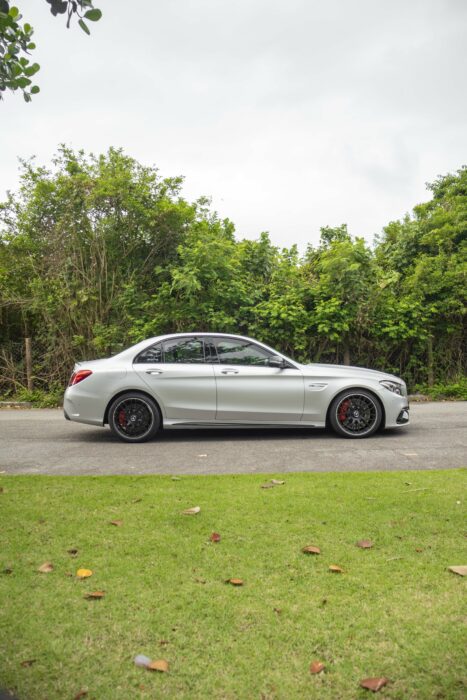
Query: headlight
x=395, y=387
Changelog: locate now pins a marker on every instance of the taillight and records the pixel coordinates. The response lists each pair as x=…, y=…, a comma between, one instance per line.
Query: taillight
x=78, y=376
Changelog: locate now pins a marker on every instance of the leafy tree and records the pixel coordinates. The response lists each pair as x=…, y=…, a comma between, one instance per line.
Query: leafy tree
x=98, y=252
x=16, y=69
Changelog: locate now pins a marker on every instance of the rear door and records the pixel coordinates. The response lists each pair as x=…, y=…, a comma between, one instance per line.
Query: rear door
x=176, y=374
x=249, y=390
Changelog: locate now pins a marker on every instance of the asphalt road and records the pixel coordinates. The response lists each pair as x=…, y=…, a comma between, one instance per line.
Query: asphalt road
x=43, y=442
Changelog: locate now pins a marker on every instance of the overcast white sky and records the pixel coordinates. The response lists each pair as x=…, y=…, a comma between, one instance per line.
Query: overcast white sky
x=290, y=114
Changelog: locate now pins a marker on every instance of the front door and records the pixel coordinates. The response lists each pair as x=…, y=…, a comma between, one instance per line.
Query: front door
x=248, y=390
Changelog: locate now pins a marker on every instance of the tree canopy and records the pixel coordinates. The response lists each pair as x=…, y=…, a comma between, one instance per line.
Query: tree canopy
x=98, y=252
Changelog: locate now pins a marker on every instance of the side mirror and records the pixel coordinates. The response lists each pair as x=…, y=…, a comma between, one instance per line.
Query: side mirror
x=276, y=361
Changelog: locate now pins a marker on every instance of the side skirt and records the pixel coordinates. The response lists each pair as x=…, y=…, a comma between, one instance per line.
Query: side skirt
x=173, y=425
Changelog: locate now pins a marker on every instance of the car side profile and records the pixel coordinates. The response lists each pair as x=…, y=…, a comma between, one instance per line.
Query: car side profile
x=196, y=380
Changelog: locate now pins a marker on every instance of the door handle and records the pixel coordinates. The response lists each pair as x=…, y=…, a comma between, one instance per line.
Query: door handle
x=229, y=371
x=154, y=371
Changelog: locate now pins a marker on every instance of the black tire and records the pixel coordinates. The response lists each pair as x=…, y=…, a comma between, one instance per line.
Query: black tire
x=134, y=417
x=355, y=413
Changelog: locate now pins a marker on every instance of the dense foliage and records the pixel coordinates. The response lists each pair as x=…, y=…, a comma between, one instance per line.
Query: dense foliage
x=101, y=252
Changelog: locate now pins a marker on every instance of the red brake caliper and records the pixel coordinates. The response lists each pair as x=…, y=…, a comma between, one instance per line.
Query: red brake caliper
x=121, y=417
x=343, y=408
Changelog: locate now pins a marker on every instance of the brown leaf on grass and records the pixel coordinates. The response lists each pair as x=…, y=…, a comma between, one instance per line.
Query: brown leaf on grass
x=277, y=482
x=267, y=486
x=46, y=567
x=459, y=570
x=215, y=537
x=336, y=569
x=158, y=665
x=191, y=511
x=278, y=611
x=72, y=552
x=95, y=595
x=117, y=523
x=311, y=549
x=374, y=684
x=27, y=663
x=234, y=581
x=316, y=667
x=84, y=573
x=365, y=544
x=81, y=694
x=418, y=549
x=163, y=642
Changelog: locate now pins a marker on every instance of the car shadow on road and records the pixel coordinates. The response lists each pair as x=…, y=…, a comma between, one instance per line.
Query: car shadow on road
x=181, y=435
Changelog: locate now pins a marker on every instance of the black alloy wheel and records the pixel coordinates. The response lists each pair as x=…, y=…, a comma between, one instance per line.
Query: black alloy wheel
x=355, y=414
x=134, y=417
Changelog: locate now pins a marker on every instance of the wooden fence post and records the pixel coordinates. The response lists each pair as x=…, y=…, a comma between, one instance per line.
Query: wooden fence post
x=27, y=342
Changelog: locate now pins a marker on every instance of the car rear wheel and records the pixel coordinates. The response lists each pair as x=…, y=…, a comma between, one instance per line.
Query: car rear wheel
x=134, y=417
x=355, y=414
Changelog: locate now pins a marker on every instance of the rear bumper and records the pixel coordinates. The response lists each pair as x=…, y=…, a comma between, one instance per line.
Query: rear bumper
x=78, y=406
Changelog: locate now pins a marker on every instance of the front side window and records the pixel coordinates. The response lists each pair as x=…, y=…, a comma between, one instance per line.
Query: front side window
x=241, y=352
x=187, y=350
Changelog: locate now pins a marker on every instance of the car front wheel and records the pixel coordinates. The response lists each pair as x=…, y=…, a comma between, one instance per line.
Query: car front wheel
x=134, y=417
x=355, y=414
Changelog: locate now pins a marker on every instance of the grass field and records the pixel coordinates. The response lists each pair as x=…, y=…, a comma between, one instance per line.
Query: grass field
x=395, y=611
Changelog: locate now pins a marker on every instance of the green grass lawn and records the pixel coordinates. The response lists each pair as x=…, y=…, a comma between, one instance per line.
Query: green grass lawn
x=395, y=611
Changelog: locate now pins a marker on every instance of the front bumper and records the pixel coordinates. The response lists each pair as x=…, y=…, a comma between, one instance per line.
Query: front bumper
x=396, y=409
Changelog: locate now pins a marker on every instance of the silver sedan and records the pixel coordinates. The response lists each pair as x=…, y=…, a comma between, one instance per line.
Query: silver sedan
x=196, y=380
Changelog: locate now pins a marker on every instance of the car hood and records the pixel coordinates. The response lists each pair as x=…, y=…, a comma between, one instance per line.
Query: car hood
x=345, y=371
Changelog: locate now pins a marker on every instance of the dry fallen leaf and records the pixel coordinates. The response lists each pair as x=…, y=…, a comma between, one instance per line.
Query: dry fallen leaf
x=235, y=581
x=335, y=569
x=158, y=665
x=365, y=544
x=72, y=552
x=191, y=511
x=316, y=667
x=28, y=662
x=460, y=570
x=277, y=482
x=117, y=523
x=81, y=694
x=95, y=595
x=374, y=684
x=163, y=642
x=311, y=549
x=278, y=611
x=46, y=567
x=84, y=573
x=215, y=537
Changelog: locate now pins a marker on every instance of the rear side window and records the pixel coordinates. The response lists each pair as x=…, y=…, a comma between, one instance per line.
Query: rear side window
x=186, y=350
x=150, y=355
